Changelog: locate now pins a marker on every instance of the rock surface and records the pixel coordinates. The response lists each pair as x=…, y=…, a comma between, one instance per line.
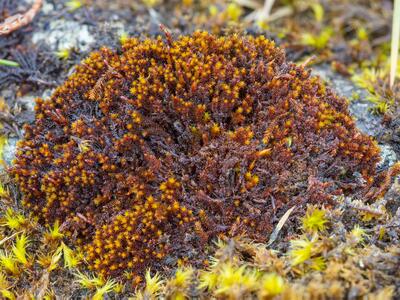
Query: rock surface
x=360, y=109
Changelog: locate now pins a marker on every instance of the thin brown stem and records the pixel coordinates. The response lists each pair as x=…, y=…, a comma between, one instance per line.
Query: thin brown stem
x=20, y=20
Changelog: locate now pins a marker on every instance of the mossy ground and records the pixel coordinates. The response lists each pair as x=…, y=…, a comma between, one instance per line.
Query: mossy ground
x=354, y=255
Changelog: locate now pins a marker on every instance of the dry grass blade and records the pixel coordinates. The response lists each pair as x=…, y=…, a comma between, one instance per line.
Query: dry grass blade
x=9, y=237
x=249, y=4
x=42, y=286
x=395, y=41
x=267, y=8
x=280, y=12
x=278, y=227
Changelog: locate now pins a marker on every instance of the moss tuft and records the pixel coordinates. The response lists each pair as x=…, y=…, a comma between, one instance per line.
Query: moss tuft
x=145, y=154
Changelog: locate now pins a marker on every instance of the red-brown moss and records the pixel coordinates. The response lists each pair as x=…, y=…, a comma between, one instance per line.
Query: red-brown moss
x=147, y=153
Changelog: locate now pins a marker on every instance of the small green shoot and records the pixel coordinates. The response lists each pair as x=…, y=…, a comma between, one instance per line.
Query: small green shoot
x=13, y=220
x=233, y=278
x=271, y=285
x=234, y=12
x=105, y=289
x=123, y=37
x=64, y=53
x=319, y=12
x=357, y=234
x=301, y=250
x=319, y=41
x=19, y=249
x=6, y=294
x=151, y=3
x=314, y=220
x=362, y=34
x=73, y=5
x=71, y=260
x=88, y=282
x=154, y=285
x=208, y=280
x=8, y=263
x=8, y=63
x=55, y=258
x=54, y=233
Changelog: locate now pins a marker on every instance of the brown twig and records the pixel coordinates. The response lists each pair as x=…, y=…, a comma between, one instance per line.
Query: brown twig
x=167, y=34
x=266, y=11
x=20, y=20
x=309, y=61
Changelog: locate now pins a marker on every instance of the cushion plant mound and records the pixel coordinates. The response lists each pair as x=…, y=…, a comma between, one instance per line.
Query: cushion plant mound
x=147, y=153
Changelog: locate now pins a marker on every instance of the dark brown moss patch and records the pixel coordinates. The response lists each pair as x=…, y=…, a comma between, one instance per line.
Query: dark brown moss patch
x=147, y=154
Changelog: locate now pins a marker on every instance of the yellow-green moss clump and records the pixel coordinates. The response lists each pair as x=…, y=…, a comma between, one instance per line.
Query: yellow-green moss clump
x=146, y=154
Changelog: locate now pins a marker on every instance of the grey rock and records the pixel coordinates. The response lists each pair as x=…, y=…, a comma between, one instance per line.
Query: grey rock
x=388, y=155
x=360, y=109
x=9, y=150
x=28, y=101
x=64, y=34
x=47, y=8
